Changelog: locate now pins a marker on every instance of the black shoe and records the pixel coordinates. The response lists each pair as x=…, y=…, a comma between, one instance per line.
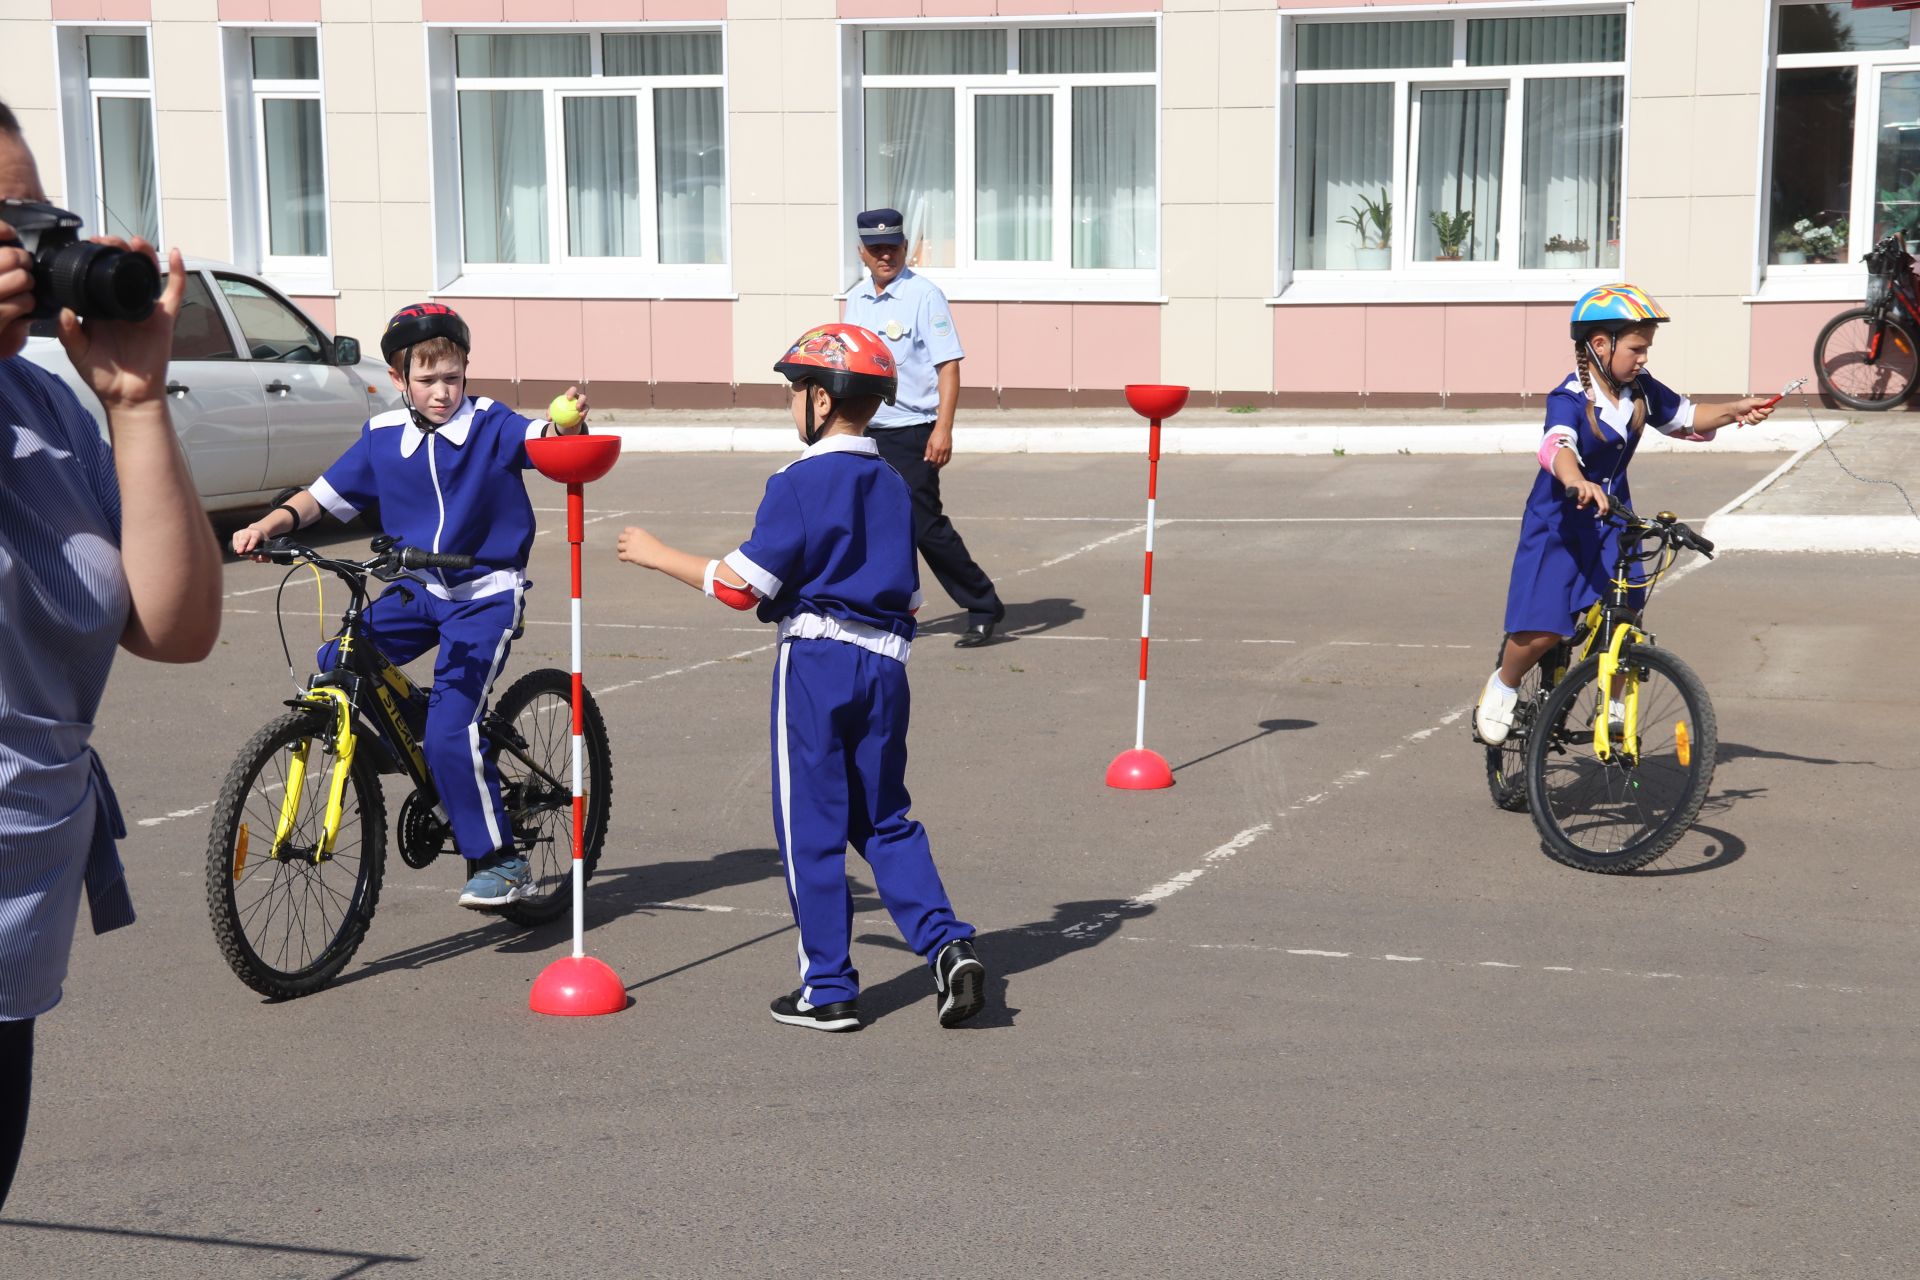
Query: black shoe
x=843, y=1015
x=961, y=981
x=979, y=631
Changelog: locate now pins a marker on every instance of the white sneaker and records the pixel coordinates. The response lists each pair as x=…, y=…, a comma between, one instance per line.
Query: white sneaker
x=1494, y=716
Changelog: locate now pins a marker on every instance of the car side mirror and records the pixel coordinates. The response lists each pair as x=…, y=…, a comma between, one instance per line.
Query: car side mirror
x=346, y=351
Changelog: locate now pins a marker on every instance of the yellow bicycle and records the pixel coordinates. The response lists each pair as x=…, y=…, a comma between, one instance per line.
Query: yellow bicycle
x=297, y=849
x=1619, y=743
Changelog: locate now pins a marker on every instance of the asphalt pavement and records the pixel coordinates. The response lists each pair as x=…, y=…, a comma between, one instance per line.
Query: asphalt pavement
x=1319, y=1010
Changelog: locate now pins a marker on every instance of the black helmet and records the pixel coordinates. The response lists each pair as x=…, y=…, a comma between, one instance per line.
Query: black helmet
x=413, y=325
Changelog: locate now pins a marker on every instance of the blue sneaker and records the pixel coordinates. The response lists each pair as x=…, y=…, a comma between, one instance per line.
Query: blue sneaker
x=498, y=879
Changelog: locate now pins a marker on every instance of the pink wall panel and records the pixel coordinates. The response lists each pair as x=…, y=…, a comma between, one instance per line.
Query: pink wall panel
x=1549, y=349
x=617, y=345
x=462, y=10
x=1036, y=344
x=490, y=320
x=246, y=11
x=1781, y=342
x=957, y=8
x=296, y=10
x=537, y=10
x=1406, y=351
x=323, y=312
x=693, y=342
x=1114, y=6
x=686, y=10
x=1319, y=349
x=1486, y=349
x=978, y=324
x=547, y=339
x=1033, y=6
x=76, y=10
x=1114, y=344
x=608, y=10
x=880, y=8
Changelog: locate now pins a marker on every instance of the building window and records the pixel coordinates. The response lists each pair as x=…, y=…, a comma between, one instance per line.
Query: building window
x=588, y=151
x=1489, y=144
x=119, y=180
x=1845, y=156
x=1014, y=153
x=277, y=155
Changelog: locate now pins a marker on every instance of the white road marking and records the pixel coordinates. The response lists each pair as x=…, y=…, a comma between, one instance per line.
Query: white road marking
x=1077, y=551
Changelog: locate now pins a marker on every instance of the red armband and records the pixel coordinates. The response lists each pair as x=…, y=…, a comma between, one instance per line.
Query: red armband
x=726, y=593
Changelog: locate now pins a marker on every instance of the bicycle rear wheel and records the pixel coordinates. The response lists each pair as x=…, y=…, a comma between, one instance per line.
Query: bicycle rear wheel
x=1866, y=363
x=1619, y=814
x=538, y=790
x=1507, y=763
x=288, y=920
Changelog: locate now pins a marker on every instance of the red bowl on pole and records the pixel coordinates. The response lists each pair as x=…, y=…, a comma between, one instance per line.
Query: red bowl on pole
x=574, y=459
x=1156, y=400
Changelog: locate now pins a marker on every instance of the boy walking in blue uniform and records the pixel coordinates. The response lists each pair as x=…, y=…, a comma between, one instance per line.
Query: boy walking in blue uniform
x=831, y=560
x=446, y=474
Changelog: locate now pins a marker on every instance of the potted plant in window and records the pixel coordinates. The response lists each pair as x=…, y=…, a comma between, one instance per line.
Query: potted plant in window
x=1566, y=255
x=1823, y=243
x=1454, y=230
x=1789, y=250
x=1372, y=221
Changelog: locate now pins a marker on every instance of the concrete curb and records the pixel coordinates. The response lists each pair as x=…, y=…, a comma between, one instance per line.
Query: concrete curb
x=1302, y=440
x=1736, y=532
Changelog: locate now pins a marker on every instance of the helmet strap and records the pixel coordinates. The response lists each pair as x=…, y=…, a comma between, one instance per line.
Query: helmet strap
x=1604, y=368
x=426, y=425
x=814, y=432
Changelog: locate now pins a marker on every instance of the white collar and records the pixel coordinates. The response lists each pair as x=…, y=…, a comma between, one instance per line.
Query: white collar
x=838, y=444
x=454, y=430
x=893, y=285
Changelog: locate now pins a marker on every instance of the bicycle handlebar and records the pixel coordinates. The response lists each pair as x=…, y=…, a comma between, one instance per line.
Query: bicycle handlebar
x=416, y=558
x=1662, y=526
x=388, y=563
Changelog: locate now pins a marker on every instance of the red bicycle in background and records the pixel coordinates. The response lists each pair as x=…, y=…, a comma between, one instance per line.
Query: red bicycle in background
x=1869, y=358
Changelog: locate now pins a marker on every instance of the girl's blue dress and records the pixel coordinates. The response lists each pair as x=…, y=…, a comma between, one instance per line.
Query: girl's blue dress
x=1565, y=558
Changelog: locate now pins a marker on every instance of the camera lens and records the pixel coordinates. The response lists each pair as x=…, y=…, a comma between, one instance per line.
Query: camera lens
x=101, y=281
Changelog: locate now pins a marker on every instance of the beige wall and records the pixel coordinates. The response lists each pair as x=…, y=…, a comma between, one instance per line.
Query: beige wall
x=1692, y=180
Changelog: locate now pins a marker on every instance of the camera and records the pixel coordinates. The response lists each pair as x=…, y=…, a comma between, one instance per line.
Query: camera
x=94, y=280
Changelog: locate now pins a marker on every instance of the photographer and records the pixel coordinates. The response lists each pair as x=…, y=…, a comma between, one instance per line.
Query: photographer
x=99, y=548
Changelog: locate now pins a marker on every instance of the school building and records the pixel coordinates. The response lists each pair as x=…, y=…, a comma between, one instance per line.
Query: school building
x=1314, y=202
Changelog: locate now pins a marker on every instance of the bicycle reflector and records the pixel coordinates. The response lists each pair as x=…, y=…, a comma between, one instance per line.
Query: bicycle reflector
x=1683, y=743
x=240, y=854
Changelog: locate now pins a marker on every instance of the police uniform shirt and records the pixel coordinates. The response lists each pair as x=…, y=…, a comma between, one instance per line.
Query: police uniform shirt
x=457, y=490
x=911, y=314
x=834, y=537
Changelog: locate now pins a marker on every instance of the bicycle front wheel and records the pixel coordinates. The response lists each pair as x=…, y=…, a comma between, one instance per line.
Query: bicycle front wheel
x=288, y=914
x=1619, y=814
x=1866, y=363
x=536, y=781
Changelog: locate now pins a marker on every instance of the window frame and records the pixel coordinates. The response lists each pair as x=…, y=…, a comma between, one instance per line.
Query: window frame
x=564, y=274
x=288, y=266
x=1825, y=281
x=1405, y=279
x=972, y=278
x=79, y=96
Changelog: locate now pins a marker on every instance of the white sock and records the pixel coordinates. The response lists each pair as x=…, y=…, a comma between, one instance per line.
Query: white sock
x=1495, y=681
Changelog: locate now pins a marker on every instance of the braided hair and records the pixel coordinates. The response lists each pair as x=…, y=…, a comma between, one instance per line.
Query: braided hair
x=1582, y=363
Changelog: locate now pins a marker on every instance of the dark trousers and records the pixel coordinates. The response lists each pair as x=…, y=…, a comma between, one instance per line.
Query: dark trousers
x=933, y=533
x=16, y=1089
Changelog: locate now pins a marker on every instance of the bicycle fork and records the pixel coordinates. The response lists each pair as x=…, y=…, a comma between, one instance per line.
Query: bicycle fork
x=345, y=744
x=1630, y=723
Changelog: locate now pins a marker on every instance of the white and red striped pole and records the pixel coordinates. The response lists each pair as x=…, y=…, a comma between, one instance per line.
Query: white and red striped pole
x=1141, y=769
x=577, y=984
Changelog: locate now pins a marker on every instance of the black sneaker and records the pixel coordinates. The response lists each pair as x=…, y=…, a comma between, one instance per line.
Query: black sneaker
x=843, y=1015
x=961, y=982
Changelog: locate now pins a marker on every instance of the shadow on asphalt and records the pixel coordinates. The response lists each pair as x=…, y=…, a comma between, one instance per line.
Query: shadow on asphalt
x=1736, y=751
x=362, y=1262
x=1026, y=618
x=1075, y=927
x=1266, y=727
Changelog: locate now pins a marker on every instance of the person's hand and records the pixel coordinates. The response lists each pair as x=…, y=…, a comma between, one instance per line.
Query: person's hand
x=1753, y=410
x=940, y=447
x=16, y=292
x=126, y=363
x=1586, y=491
x=577, y=395
x=637, y=546
x=246, y=540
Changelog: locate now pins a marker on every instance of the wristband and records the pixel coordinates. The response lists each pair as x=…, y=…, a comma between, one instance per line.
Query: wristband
x=281, y=506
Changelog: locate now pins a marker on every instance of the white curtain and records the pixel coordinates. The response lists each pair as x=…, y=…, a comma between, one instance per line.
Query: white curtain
x=117, y=57
x=909, y=167
x=127, y=184
x=603, y=176
x=1353, y=46
x=662, y=53
x=1013, y=177
x=1085, y=50
x=530, y=55
x=1115, y=195
x=286, y=58
x=296, y=178
x=1343, y=143
x=503, y=175
x=1461, y=131
x=691, y=169
x=1506, y=42
x=1570, y=168
x=935, y=53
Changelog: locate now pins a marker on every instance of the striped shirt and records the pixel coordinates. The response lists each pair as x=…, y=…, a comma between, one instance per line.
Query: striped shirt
x=63, y=606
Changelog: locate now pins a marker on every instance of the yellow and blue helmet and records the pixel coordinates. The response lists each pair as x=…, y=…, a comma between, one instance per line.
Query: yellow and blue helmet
x=1614, y=307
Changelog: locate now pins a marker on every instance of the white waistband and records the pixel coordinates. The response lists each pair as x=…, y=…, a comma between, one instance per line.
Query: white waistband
x=490, y=585
x=817, y=626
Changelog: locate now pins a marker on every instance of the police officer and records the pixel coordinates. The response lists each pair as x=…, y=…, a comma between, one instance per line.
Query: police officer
x=915, y=432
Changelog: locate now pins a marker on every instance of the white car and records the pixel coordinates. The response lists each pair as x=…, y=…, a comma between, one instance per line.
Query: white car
x=262, y=398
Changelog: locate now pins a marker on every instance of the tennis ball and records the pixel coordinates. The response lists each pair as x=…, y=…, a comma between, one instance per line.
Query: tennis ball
x=564, y=412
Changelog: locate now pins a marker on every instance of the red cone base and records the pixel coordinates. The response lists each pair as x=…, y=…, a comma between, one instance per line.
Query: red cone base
x=1139, y=770
x=577, y=986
